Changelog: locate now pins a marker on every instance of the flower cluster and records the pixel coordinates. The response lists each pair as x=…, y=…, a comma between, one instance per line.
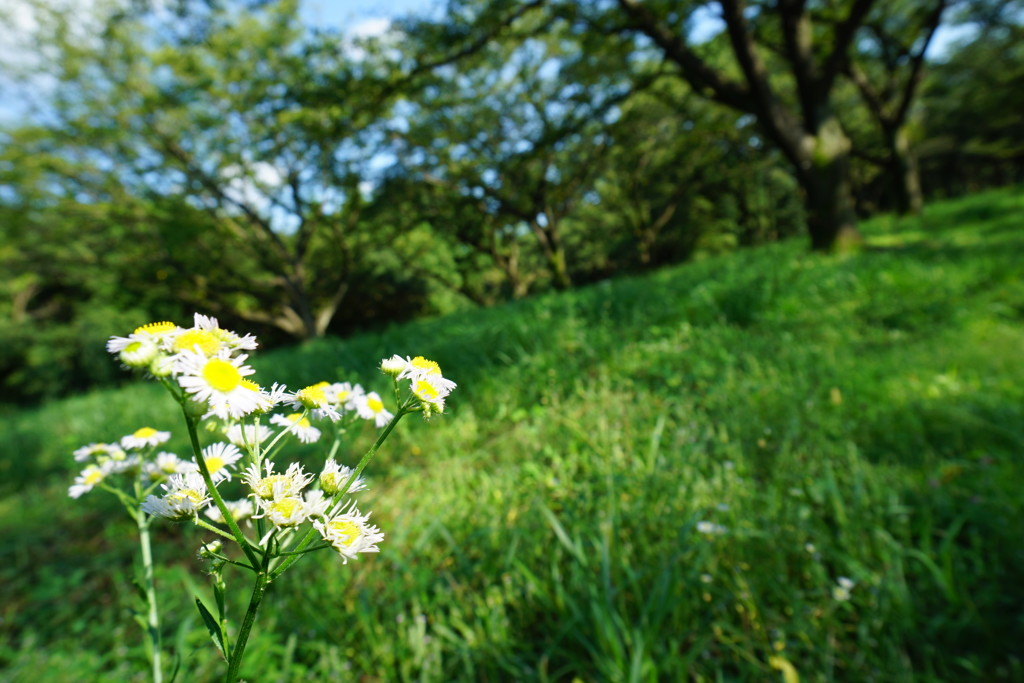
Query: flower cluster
x=287, y=510
x=206, y=368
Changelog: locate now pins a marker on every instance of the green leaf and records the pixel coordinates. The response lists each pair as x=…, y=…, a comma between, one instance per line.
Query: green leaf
x=212, y=626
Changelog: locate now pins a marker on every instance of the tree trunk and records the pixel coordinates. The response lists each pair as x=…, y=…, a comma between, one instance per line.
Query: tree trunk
x=825, y=177
x=904, y=173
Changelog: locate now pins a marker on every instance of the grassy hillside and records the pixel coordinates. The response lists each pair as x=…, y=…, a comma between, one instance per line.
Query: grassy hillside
x=824, y=417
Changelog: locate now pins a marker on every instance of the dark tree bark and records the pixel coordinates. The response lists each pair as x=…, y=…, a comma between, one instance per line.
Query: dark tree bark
x=889, y=103
x=808, y=134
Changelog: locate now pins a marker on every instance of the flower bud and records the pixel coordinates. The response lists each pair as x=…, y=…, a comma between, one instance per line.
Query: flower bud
x=393, y=366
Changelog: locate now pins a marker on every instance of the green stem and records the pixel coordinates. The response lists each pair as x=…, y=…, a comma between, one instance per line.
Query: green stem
x=259, y=589
x=209, y=527
x=254, y=559
x=311, y=534
x=149, y=584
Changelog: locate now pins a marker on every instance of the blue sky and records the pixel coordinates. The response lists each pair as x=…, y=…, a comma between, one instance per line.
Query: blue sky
x=361, y=18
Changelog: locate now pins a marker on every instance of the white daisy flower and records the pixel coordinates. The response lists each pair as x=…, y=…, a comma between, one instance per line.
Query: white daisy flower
x=710, y=528
x=153, y=333
x=195, y=340
x=139, y=353
x=267, y=485
x=372, y=408
x=165, y=464
x=186, y=495
x=229, y=338
x=289, y=511
x=344, y=395
x=220, y=382
x=219, y=457
x=314, y=398
x=843, y=588
x=350, y=533
x=243, y=435
x=297, y=425
x=335, y=476
x=240, y=510
x=144, y=437
x=84, y=482
x=420, y=368
x=429, y=395
x=268, y=400
x=118, y=466
x=99, y=452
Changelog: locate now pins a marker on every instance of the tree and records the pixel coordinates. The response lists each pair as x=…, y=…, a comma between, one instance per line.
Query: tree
x=207, y=109
x=793, y=108
x=887, y=68
x=519, y=132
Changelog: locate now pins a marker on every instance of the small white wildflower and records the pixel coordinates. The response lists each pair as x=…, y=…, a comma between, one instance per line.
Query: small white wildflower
x=84, y=482
x=297, y=425
x=165, y=464
x=243, y=435
x=219, y=457
x=139, y=353
x=186, y=495
x=372, y=408
x=420, y=368
x=144, y=437
x=344, y=395
x=151, y=333
x=334, y=476
x=268, y=485
x=239, y=509
x=710, y=528
x=220, y=382
x=350, y=533
x=289, y=511
x=315, y=398
x=841, y=591
x=99, y=452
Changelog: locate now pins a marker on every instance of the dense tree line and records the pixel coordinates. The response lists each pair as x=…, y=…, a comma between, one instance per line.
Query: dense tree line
x=224, y=157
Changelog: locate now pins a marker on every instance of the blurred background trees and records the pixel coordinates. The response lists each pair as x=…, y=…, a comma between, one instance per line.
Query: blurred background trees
x=300, y=180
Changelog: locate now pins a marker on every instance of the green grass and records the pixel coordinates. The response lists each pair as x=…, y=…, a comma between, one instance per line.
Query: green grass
x=858, y=416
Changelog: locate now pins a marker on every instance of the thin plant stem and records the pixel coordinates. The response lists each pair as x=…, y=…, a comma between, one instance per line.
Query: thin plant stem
x=149, y=585
x=254, y=559
x=209, y=527
x=258, y=590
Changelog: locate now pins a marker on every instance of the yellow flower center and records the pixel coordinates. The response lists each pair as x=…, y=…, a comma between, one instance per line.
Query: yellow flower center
x=343, y=396
x=425, y=390
x=221, y=375
x=214, y=464
x=421, y=363
x=144, y=433
x=265, y=487
x=92, y=476
x=298, y=419
x=287, y=507
x=329, y=482
x=313, y=396
x=376, y=405
x=345, y=530
x=156, y=328
x=206, y=341
x=186, y=494
x=250, y=385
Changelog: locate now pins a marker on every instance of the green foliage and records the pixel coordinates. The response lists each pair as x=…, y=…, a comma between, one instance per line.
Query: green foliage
x=855, y=416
